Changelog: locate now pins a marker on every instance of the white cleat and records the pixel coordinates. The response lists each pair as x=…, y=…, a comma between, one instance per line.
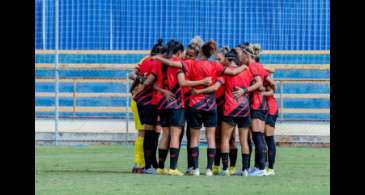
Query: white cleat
x=189, y=171
x=257, y=172
x=196, y=172
x=209, y=172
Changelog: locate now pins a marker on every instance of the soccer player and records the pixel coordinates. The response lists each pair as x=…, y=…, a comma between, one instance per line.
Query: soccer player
x=270, y=128
x=202, y=107
x=191, y=53
x=146, y=109
x=236, y=110
x=258, y=110
x=220, y=104
x=171, y=105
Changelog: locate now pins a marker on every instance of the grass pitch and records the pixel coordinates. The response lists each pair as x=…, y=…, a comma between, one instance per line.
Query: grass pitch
x=106, y=170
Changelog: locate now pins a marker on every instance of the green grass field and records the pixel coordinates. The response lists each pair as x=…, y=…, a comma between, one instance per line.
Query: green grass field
x=105, y=170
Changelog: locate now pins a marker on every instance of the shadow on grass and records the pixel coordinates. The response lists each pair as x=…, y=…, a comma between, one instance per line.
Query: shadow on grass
x=84, y=171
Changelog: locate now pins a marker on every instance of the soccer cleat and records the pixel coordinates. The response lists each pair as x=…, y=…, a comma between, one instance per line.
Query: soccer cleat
x=224, y=173
x=150, y=171
x=175, y=172
x=270, y=172
x=209, y=172
x=244, y=173
x=257, y=172
x=232, y=171
x=196, y=172
x=189, y=171
x=216, y=170
x=162, y=171
x=136, y=169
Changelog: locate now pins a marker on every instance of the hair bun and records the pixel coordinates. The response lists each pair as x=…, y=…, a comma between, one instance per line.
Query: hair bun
x=159, y=41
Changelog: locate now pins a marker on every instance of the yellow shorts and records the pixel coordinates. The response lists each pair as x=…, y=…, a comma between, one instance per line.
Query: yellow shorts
x=137, y=122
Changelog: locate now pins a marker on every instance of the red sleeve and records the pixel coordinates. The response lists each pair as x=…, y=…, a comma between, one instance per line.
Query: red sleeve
x=221, y=79
x=186, y=67
x=154, y=69
x=219, y=68
x=254, y=70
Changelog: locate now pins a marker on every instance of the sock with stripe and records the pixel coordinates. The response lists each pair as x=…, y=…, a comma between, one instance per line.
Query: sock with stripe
x=210, y=157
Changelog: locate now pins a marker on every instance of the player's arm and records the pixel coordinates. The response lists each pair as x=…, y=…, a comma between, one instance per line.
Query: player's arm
x=133, y=74
x=168, y=94
x=270, y=70
x=209, y=89
x=150, y=79
x=168, y=62
x=268, y=92
x=234, y=71
x=241, y=91
x=188, y=83
x=271, y=82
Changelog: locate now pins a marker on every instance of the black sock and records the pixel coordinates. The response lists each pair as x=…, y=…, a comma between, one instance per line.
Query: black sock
x=190, y=160
x=249, y=141
x=225, y=160
x=271, y=150
x=210, y=157
x=217, y=158
x=162, y=154
x=174, y=156
x=155, y=146
x=245, y=161
x=195, y=157
x=260, y=149
x=148, y=148
x=181, y=137
x=232, y=157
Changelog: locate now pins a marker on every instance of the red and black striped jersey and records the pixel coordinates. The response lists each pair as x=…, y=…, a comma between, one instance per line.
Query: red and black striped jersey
x=167, y=79
x=237, y=107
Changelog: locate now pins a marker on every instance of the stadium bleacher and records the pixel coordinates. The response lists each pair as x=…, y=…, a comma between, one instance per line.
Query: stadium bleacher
x=93, y=83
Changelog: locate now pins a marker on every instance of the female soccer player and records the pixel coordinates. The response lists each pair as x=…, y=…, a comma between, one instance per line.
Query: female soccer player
x=258, y=110
x=171, y=106
x=270, y=128
x=236, y=110
x=220, y=104
x=203, y=106
x=148, y=139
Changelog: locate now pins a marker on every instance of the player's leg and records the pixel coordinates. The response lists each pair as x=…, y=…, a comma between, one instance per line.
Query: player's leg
x=270, y=142
x=218, y=156
x=243, y=128
x=148, y=116
x=177, y=120
x=232, y=153
x=188, y=149
x=227, y=129
x=249, y=141
x=163, y=147
x=258, y=128
x=195, y=119
x=138, y=146
x=210, y=124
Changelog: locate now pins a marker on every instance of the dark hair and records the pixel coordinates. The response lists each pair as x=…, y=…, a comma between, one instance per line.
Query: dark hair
x=158, y=48
x=209, y=48
x=172, y=47
x=224, y=50
x=232, y=56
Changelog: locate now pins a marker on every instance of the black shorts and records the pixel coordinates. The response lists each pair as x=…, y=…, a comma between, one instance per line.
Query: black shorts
x=241, y=122
x=199, y=117
x=271, y=120
x=259, y=114
x=172, y=118
x=147, y=114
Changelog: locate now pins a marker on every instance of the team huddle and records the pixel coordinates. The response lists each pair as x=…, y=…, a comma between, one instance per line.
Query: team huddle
x=179, y=91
